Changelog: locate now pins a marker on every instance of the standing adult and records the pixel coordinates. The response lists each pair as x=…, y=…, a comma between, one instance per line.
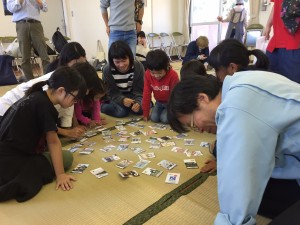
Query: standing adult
x=237, y=19
x=124, y=22
x=283, y=49
x=26, y=15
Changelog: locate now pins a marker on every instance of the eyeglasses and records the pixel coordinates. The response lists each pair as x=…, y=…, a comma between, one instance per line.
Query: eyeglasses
x=76, y=99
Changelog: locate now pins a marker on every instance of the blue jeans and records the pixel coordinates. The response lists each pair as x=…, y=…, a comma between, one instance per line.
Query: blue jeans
x=285, y=62
x=115, y=110
x=128, y=36
x=159, y=113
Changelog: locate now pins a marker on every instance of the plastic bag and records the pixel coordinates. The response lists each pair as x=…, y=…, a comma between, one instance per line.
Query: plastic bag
x=13, y=49
x=262, y=43
x=100, y=55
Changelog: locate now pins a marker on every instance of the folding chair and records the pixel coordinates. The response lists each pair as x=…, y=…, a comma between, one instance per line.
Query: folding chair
x=179, y=43
x=253, y=31
x=167, y=44
x=154, y=41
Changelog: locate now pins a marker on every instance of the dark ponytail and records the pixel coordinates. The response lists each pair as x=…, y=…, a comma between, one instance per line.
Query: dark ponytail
x=262, y=61
x=36, y=87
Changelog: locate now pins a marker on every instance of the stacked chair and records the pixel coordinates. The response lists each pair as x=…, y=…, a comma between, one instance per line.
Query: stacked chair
x=169, y=43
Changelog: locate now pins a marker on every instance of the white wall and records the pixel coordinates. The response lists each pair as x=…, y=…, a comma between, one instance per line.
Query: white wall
x=50, y=20
x=85, y=23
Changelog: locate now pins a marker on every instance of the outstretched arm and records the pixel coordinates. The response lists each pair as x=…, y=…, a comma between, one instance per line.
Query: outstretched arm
x=63, y=180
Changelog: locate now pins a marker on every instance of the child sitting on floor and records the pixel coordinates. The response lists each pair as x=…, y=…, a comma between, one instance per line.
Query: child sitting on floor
x=25, y=165
x=87, y=110
x=160, y=79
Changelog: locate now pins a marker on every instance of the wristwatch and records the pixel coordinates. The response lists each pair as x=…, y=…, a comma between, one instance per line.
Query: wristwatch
x=139, y=21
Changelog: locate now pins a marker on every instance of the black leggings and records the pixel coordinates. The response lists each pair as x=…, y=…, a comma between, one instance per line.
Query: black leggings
x=279, y=195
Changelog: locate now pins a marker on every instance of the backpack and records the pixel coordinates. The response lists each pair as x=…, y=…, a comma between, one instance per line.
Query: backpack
x=7, y=75
x=58, y=40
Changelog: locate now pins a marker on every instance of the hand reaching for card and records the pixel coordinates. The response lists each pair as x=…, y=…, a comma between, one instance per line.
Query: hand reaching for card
x=210, y=166
x=64, y=181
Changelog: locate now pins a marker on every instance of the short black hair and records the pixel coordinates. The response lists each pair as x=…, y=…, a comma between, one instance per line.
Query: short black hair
x=184, y=98
x=141, y=34
x=120, y=50
x=157, y=60
x=192, y=68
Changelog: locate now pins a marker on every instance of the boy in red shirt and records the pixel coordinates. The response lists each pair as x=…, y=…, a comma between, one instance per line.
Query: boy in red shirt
x=160, y=79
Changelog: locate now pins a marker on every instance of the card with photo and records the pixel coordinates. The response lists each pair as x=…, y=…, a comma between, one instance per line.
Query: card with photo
x=190, y=164
x=167, y=164
x=99, y=172
x=80, y=168
x=172, y=178
x=152, y=172
x=130, y=173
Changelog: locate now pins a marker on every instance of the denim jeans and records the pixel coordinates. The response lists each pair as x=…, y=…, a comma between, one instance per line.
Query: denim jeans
x=285, y=62
x=115, y=110
x=159, y=113
x=128, y=36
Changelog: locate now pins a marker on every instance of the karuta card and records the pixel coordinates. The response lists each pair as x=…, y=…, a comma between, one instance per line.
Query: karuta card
x=122, y=147
x=168, y=143
x=179, y=149
x=149, y=155
x=142, y=163
x=123, y=164
x=189, y=141
x=172, y=178
x=137, y=150
x=130, y=173
x=99, y=172
x=111, y=158
x=80, y=168
x=136, y=140
x=190, y=164
x=120, y=127
x=152, y=172
x=107, y=148
x=180, y=136
x=167, y=164
x=204, y=144
x=86, y=151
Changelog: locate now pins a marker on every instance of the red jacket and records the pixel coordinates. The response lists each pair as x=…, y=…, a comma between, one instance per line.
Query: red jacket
x=161, y=89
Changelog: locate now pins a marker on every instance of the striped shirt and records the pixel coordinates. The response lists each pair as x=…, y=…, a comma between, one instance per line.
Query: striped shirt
x=123, y=80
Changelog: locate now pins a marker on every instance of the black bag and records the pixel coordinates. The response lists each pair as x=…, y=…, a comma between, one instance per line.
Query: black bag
x=58, y=40
x=6, y=11
x=7, y=75
x=50, y=51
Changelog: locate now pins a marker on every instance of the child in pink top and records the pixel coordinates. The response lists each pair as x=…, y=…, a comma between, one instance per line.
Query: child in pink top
x=160, y=79
x=87, y=111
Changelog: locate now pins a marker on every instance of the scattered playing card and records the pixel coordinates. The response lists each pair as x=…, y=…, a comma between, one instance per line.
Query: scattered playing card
x=164, y=138
x=107, y=148
x=99, y=172
x=167, y=164
x=136, y=140
x=152, y=172
x=180, y=136
x=122, y=147
x=80, y=168
x=120, y=127
x=123, y=164
x=135, y=133
x=90, y=133
x=155, y=145
x=172, y=178
x=168, y=143
x=149, y=155
x=142, y=163
x=130, y=173
x=204, y=144
x=106, y=133
x=196, y=153
x=189, y=141
x=86, y=151
x=190, y=163
x=111, y=158
x=137, y=150
x=179, y=149
x=120, y=122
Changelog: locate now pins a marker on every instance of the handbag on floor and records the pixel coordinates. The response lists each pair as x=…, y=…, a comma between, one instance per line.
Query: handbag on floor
x=7, y=75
